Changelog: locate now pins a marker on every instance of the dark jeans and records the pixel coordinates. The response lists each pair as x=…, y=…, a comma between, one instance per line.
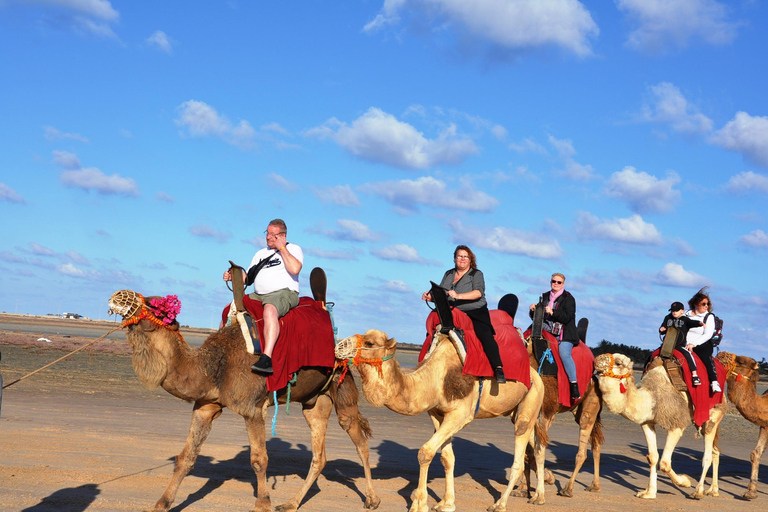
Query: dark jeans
x=704, y=351
x=481, y=321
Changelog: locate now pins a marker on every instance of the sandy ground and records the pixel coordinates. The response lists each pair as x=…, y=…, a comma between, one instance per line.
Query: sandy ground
x=86, y=435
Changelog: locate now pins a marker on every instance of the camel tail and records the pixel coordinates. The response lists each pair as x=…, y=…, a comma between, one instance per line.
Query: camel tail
x=541, y=433
x=346, y=398
x=596, y=438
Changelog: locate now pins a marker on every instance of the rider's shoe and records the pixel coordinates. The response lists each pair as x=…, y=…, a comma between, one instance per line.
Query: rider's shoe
x=499, y=374
x=695, y=380
x=263, y=365
x=716, y=387
x=575, y=395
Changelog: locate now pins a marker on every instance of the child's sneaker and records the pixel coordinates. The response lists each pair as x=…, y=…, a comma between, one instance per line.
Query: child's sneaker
x=716, y=387
x=696, y=381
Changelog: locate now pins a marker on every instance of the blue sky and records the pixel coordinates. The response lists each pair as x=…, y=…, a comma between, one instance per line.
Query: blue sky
x=623, y=143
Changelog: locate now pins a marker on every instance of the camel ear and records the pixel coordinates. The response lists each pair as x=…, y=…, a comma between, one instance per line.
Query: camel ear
x=391, y=342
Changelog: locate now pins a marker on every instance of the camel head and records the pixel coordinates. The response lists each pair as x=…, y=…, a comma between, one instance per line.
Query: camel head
x=613, y=365
x=374, y=345
x=740, y=367
x=147, y=313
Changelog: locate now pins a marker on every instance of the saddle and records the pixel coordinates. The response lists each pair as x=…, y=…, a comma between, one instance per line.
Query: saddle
x=443, y=309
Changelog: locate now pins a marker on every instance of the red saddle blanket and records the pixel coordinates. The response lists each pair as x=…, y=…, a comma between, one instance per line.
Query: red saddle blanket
x=700, y=396
x=585, y=367
x=512, y=349
x=306, y=339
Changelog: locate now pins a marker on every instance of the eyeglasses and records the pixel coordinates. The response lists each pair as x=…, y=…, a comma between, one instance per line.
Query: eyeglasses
x=555, y=281
x=462, y=257
x=275, y=235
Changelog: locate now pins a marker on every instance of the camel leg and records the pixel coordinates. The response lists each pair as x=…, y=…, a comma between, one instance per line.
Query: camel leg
x=202, y=419
x=653, y=458
x=356, y=426
x=524, y=435
x=665, y=465
x=755, y=457
x=596, y=445
x=317, y=419
x=586, y=424
x=257, y=436
x=450, y=424
x=448, y=460
x=714, y=489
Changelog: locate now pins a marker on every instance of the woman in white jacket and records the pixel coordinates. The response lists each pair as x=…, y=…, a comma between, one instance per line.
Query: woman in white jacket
x=699, y=338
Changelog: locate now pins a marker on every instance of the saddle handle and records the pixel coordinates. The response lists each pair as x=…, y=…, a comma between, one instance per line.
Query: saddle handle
x=238, y=284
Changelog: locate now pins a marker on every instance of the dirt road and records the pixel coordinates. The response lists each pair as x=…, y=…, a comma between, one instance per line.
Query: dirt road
x=85, y=435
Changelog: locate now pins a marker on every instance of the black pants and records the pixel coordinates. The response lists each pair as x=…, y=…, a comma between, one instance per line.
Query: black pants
x=688, y=357
x=704, y=351
x=481, y=321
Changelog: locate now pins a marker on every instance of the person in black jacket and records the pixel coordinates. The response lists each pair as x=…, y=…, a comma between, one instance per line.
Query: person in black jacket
x=560, y=320
x=682, y=323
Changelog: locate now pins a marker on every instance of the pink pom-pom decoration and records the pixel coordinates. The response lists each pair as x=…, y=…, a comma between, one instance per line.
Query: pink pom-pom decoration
x=166, y=308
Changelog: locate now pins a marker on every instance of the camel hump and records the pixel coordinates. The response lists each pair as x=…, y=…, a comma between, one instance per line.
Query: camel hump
x=318, y=284
x=508, y=304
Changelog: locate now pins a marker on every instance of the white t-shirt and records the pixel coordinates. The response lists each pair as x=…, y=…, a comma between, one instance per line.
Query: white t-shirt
x=274, y=276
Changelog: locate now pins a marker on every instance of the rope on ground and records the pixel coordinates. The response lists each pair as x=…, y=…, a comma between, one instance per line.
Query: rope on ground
x=62, y=357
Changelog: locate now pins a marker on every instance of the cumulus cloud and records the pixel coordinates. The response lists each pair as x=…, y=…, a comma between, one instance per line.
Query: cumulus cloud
x=408, y=195
x=201, y=120
x=528, y=145
x=507, y=240
x=68, y=269
x=51, y=133
x=632, y=229
x=671, y=24
x=160, y=40
x=757, y=238
x=10, y=195
x=572, y=170
x=747, y=182
x=642, y=192
x=282, y=183
x=397, y=286
x=673, y=274
x=502, y=24
x=333, y=255
x=340, y=195
x=348, y=230
x=93, y=179
x=379, y=137
x=402, y=252
x=39, y=250
x=66, y=159
x=165, y=198
x=668, y=106
x=89, y=16
x=206, y=231
x=747, y=135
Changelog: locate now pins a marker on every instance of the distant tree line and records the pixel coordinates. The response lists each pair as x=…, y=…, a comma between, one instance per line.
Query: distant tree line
x=636, y=354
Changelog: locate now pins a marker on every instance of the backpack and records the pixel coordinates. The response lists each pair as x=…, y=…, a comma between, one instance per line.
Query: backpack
x=717, y=335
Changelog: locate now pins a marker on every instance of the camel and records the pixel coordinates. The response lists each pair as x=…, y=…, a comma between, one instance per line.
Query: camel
x=742, y=391
x=452, y=400
x=218, y=375
x=654, y=402
x=586, y=412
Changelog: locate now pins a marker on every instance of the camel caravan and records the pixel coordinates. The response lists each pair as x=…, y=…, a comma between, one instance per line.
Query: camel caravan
x=455, y=382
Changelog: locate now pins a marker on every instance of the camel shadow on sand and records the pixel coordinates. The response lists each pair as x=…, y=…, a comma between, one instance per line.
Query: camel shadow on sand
x=71, y=499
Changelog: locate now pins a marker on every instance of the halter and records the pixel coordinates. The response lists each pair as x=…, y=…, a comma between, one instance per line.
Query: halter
x=613, y=375
x=131, y=306
x=346, y=361
x=731, y=370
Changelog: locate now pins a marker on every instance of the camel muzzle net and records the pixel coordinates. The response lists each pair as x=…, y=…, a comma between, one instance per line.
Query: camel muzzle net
x=126, y=303
x=348, y=347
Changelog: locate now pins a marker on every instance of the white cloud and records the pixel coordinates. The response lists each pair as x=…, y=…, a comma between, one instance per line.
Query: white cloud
x=206, y=231
x=66, y=159
x=201, y=120
x=10, y=257
x=573, y=170
x=276, y=128
x=748, y=181
x=669, y=106
x=408, y=195
x=401, y=252
x=51, y=133
x=10, y=195
x=160, y=40
x=673, y=274
x=642, y=192
x=166, y=198
x=671, y=24
x=632, y=229
x=757, y=238
x=398, y=286
x=282, y=183
x=40, y=250
x=68, y=269
x=77, y=258
x=91, y=16
x=349, y=230
x=341, y=195
x=93, y=179
x=506, y=24
x=379, y=137
x=332, y=255
x=747, y=135
x=528, y=145
x=507, y=240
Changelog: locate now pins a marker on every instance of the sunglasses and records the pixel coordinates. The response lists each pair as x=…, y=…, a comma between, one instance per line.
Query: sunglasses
x=703, y=303
x=555, y=281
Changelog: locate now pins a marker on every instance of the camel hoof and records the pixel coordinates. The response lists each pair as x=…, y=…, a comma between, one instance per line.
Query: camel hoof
x=537, y=499
x=750, y=495
x=685, y=482
x=419, y=507
x=646, y=495
x=567, y=493
x=549, y=477
x=715, y=493
x=263, y=505
x=441, y=507
x=696, y=495
x=286, y=507
x=519, y=493
x=593, y=488
x=497, y=507
x=372, y=502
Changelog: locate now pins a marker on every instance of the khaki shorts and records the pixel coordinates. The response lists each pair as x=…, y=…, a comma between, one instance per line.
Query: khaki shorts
x=283, y=299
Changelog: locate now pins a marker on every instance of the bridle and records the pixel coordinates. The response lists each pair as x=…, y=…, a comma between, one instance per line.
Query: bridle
x=344, y=359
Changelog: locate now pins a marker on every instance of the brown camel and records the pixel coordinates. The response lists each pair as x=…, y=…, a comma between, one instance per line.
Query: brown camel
x=654, y=402
x=586, y=412
x=218, y=375
x=742, y=391
x=452, y=400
